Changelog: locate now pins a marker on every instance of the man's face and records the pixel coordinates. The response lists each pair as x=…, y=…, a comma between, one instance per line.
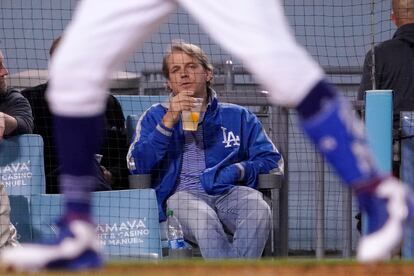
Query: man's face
x=3, y=74
x=186, y=74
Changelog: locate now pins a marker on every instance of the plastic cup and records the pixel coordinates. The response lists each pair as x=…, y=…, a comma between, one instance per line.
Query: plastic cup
x=191, y=118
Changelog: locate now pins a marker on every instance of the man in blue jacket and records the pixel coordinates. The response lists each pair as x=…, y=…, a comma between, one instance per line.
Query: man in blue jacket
x=208, y=176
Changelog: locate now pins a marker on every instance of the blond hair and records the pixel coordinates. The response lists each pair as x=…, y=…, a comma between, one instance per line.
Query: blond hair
x=190, y=49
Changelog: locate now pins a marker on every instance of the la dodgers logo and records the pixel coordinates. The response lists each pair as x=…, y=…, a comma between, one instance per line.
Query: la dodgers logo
x=229, y=138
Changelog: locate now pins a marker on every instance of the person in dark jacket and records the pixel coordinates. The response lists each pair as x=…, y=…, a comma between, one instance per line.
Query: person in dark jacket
x=394, y=65
x=208, y=177
x=15, y=112
x=112, y=171
x=15, y=118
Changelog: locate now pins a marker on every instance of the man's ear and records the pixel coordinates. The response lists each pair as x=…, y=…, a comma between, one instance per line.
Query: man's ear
x=209, y=76
x=393, y=18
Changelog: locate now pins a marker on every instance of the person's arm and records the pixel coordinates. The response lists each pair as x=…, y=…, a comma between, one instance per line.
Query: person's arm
x=366, y=79
x=178, y=103
x=115, y=147
x=150, y=143
x=7, y=124
x=262, y=155
x=155, y=130
x=17, y=118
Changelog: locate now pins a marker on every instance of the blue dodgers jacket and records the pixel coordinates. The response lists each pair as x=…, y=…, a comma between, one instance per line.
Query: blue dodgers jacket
x=232, y=134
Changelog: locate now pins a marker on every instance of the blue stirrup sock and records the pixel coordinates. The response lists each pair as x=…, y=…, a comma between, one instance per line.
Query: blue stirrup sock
x=339, y=135
x=78, y=139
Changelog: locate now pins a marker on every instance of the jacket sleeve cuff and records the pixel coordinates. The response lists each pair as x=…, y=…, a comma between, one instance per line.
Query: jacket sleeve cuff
x=242, y=171
x=164, y=130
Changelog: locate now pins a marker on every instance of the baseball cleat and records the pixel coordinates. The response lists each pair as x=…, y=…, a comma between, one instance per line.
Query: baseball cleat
x=76, y=248
x=388, y=212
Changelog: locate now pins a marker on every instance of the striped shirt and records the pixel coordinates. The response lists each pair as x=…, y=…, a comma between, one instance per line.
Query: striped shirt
x=193, y=162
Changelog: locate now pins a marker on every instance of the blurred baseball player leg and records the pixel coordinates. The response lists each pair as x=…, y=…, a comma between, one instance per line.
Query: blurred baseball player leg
x=100, y=38
x=259, y=34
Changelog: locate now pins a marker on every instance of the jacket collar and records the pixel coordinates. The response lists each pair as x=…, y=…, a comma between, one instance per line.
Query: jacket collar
x=406, y=33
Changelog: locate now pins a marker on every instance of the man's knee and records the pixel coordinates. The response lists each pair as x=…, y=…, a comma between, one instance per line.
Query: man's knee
x=258, y=208
x=190, y=208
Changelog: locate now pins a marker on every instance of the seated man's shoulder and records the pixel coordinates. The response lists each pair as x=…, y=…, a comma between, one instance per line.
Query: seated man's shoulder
x=234, y=109
x=231, y=106
x=388, y=47
x=13, y=93
x=157, y=108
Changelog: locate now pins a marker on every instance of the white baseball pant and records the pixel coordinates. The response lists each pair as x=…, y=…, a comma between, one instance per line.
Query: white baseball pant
x=103, y=34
